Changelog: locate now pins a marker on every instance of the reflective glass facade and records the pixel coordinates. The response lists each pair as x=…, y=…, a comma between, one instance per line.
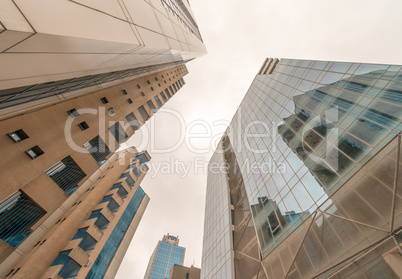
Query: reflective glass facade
x=216, y=254
x=316, y=143
x=166, y=254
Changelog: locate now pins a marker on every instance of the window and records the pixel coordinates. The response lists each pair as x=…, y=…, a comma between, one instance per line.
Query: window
x=156, y=79
x=73, y=112
x=132, y=121
x=152, y=89
x=70, y=267
x=129, y=101
x=18, y=213
x=163, y=97
x=18, y=135
x=175, y=88
x=168, y=93
x=171, y=90
x=98, y=149
x=83, y=125
x=158, y=101
x=142, y=94
x=66, y=174
x=138, y=86
x=101, y=221
x=143, y=113
x=121, y=191
x=159, y=84
x=118, y=132
x=148, y=82
x=124, y=92
x=151, y=106
x=111, y=111
x=104, y=100
x=34, y=152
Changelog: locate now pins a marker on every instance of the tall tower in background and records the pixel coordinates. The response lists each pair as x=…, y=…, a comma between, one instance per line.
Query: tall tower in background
x=166, y=254
x=312, y=188
x=78, y=78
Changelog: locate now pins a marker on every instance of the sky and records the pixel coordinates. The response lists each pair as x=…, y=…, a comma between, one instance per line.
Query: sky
x=239, y=35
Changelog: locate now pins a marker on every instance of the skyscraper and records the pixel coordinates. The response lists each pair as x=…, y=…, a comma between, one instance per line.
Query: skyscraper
x=71, y=48
x=78, y=79
x=311, y=182
x=166, y=254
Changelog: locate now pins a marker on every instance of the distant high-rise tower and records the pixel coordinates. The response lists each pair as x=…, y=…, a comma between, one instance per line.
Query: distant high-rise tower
x=306, y=181
x=166, y=254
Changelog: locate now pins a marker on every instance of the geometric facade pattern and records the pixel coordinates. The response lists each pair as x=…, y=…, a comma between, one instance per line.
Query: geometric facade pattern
x=312, y=185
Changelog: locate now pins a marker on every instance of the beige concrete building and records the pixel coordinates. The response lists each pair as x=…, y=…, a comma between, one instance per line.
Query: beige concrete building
x=90, y=232
x=78, y=78
x=55, y=50
x=183, y=272
x=50, y=153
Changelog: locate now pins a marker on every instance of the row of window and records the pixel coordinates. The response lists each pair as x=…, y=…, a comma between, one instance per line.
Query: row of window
x=70, y=267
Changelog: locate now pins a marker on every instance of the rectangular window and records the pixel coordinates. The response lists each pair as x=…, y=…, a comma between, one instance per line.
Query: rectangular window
x=104, y=100
x=83, y=125
x=73, y=112
x=168, y=93
x=124, y=92
x=142, y=94
x=143, y=113
x=66, y=174
x=121, y=191
x=111, y=111
x=18, y=135
x=148, y=82
x=18, y=213
x=171, y=90
x=34, y=152
x=138, y=86
x=152, y=89
x=70, y=267
x=132, y=121
x=98, y=149
x=175, y=88
x=163, y=97
x=151, y=106
x=158, y=101
x=118, y=132
x=129, y=101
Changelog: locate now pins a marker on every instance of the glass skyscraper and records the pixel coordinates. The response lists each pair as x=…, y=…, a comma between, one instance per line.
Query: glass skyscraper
x=166, y=254
x=311, y=183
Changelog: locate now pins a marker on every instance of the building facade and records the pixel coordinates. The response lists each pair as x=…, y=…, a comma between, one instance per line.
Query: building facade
x=310, y=183
x=78, y=79
x=76, y=47
x=88, y=235
x=183, y=272
x=166, y=254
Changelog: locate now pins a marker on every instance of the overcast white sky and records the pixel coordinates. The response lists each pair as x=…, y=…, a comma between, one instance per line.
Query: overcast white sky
x=239, y=35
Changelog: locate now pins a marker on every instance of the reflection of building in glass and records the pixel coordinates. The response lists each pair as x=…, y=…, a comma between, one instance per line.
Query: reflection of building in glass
x=336, y=210
x=166, y=254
